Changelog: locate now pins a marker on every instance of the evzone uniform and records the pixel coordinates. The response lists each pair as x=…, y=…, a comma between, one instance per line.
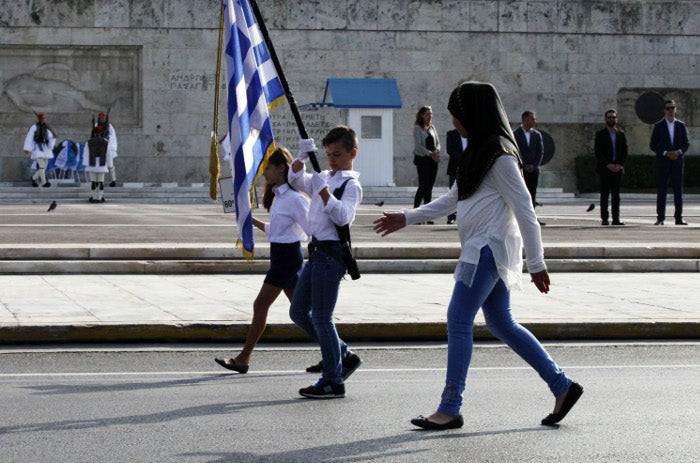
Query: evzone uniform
x=103, y=122
x=97, y=160
x=39, y=143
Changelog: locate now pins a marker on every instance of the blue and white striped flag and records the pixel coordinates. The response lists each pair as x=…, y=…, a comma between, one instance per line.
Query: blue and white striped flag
x=253, y=89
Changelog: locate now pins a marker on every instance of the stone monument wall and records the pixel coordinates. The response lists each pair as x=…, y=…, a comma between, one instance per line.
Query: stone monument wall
x=153, y=63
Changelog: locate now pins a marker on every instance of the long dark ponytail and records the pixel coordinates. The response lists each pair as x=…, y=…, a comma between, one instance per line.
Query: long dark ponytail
x=281, y=156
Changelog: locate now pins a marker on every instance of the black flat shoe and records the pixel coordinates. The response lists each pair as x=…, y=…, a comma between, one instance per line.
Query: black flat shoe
x=232, y=365
x=572, y=395
x=425, y=423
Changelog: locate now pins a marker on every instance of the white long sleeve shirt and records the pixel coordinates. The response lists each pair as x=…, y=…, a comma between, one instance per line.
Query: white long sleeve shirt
x=494, y=216
x=289, y=216
x=324, y=218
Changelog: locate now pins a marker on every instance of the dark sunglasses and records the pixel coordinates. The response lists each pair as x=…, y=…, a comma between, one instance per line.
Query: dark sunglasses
x=611, y=117
x=668, y=108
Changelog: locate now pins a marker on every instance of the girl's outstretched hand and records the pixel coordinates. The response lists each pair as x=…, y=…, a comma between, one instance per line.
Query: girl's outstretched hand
x=541, y=280
x=389, y=222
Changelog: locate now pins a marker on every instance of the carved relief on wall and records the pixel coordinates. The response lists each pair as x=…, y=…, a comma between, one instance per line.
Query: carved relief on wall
x=70, y=83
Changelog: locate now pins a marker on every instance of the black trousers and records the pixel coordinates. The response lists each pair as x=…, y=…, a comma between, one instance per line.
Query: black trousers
x=610, y=186
x=666, y=168
x=531, y=179
x=427, y=172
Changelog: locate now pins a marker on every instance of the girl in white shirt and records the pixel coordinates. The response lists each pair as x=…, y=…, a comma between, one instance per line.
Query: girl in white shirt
x=289, y=211
x=493, y=208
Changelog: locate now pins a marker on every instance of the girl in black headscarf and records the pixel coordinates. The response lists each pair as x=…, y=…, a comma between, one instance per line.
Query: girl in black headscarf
x=493, y=209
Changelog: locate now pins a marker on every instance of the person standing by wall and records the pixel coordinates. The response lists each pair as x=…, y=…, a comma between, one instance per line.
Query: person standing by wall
x=39, y=144
x=108, y=129
x=97, y=159
x=426, y=154
x=456, y=145
x=669, y=141
x=531, y=149
x=610, y=149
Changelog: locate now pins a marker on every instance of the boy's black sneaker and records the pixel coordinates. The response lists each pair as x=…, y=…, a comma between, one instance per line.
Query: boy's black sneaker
x=351, y=363
x=324, y=390
x=318, y=368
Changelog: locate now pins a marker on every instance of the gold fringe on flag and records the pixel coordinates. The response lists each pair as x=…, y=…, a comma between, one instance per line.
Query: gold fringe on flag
x=214, y=169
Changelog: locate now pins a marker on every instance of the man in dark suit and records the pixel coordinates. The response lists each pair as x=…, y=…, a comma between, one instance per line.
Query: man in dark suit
x=669, y=140
x=610, y=149
x=531, y=151
x=456, y=145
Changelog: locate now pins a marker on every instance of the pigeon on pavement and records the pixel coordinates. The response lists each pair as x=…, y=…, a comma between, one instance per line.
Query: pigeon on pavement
x=52, y=206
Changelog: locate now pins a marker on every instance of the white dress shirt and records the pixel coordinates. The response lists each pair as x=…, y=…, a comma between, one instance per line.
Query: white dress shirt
x=324, y=218
x=289, y=216
x=494, y=216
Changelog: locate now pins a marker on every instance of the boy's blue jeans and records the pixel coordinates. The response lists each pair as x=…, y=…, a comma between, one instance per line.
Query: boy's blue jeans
x=312, y=309
x=488, y=291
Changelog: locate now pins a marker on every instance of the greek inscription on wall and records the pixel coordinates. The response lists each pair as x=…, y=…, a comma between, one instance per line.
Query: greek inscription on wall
x=192, y=81
x=317, y=123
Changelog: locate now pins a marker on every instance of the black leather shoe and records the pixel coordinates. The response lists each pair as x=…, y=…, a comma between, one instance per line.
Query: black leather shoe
x=618, y=223
x=659, y=222
x=112, y=184
x=34, y=184
x=605, y=222
x=681, y=222
x=572, y=395
x=425, y=423
x=231, y=365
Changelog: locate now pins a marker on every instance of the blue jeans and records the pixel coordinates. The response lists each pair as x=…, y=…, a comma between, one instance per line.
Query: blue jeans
x=490, y=293
x=312, y=309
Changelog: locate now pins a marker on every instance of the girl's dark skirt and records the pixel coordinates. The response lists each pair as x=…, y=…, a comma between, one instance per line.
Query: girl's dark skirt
x=286, y=260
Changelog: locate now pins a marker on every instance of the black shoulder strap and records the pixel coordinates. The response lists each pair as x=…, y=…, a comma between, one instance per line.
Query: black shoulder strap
x=338, y=192
x=344, y=231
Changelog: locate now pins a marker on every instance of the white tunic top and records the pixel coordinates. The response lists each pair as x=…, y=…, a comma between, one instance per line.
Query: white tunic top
x=494, y=216
x=323, y=218
x=45, y=151
x=86, y=161
x=112, y=146
x=289, y=216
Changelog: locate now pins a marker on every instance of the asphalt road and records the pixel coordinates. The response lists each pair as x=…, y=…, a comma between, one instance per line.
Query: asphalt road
x=173, y=403
x=120, y=223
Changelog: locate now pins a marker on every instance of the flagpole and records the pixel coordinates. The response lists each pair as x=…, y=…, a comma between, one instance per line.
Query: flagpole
x=213, y=150
x=283, y=80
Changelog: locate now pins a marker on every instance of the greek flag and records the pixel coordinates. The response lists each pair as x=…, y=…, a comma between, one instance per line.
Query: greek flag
x=253, y=89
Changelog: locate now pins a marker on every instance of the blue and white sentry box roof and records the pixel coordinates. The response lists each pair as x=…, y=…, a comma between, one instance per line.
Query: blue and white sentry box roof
x=362, y=93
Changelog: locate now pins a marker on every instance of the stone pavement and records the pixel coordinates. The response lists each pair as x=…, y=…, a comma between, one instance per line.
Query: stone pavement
x=389, y=302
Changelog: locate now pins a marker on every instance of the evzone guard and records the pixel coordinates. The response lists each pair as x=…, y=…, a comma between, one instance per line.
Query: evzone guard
x=111, y=135
x=97, y=159
x=39, y=144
